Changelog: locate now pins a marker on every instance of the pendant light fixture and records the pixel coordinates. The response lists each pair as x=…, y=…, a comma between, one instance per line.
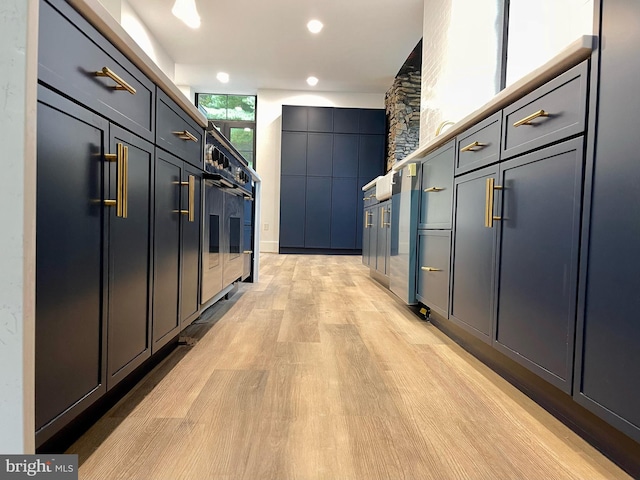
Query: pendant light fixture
x=186, y=11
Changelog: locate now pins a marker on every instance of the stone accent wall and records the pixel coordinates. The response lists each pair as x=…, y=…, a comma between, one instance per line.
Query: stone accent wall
x=402, y=102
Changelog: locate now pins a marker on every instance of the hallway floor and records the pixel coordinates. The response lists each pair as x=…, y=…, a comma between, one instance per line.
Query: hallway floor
x=317, y=372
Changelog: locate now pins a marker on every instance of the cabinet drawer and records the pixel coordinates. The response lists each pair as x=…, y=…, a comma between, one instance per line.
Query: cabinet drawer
x=555, y=111
x=434, y=248
x=70, y=54
x=369, y=197
x=177, y=133
x=437, y=188
x=480, y=145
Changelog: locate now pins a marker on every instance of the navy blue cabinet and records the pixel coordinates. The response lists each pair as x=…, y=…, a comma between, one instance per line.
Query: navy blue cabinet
x=320, y=119
x=607, y=379
x=539, y=233
x=345, y=155
x=473, y=256
x=344, y=213
x=129, y=307
x=371, y=156
x=437, y=188
x=343, y=149
x=70, y=366
x=294, y=153
x=382, y=212
x=294, y=118
x=319, y=154
x=292, y=210
x=434, y=257
x=318, y=213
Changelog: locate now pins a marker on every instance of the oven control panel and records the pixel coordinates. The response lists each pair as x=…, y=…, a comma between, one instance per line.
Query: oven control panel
x=223, y=162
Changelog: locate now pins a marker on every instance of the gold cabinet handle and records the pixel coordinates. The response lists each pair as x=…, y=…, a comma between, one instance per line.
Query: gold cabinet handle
x=122, y=180
x=489, y=217
x=533, y=116
x=471, y=146
x=186, y=135
x=386, y=224
x=191, y=212
x=121, y=84
x=442, y=125
x=431, y=269
x=366, y=220
x=434, y=189
x=248, y=252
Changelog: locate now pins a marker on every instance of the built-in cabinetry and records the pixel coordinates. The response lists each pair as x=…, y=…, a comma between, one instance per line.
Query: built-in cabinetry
x=434, y=228
x=328, y=155
x=118, y=218
x=376, y=241
x=607, y=379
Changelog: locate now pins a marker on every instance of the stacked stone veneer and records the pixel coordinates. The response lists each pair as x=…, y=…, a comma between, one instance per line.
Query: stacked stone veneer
x=402, y=102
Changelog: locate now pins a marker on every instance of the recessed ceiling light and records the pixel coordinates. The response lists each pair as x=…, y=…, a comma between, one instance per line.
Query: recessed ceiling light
x=223, y=77
x=312, y=81
x=315, y=26
x=186, y=11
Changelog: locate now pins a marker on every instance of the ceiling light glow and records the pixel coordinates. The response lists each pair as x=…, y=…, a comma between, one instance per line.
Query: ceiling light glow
x=315, y=26
x=186, y=11
x=223, y=77
x=312, y=81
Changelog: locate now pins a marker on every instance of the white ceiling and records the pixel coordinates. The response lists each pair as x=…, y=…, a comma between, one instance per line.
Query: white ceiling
x=265, y=43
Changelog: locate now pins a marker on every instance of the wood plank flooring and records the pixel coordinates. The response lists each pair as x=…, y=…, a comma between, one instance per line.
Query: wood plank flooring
x=317, y=372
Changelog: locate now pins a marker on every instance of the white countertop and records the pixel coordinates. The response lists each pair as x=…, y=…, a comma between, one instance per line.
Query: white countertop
x=567, y=58
x=102, y=20
x=372, y=183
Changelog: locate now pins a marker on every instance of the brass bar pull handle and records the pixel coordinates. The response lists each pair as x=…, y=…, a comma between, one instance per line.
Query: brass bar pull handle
x=192, y=198
x=121, y=84
x=119, y=181
x=533, y=116
x=431, y=269
x=387, y=224
x=471, y=146
x=111, y=157
x=434, y=189
x=248, y=252
x=125, y=181
x=186, y=135
x=191, y=212
x=489, y=217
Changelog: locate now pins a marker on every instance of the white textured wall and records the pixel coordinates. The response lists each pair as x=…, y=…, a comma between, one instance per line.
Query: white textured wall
x=539, y=30
x=135, y=27
x=461, y=50
x=18, y=77
x=268, y=145
x=459, y=60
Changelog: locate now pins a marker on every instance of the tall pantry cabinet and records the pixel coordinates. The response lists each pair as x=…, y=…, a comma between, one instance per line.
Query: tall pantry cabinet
x=607, y=379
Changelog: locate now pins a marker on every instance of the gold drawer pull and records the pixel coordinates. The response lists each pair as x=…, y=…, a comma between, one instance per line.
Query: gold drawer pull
x=471, y=146
x=527, y=120
x=186, y=135
x=122, y=85
x=431, y=269
x=122, y=180
x=434, y=189
x=248, y=252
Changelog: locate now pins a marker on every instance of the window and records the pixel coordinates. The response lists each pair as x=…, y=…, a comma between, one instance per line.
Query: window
x=235, y=117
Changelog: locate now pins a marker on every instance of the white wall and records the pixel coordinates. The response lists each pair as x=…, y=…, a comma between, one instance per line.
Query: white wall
x=134, y=26
x=460, y=50
x=18, y=81
x=268, y=145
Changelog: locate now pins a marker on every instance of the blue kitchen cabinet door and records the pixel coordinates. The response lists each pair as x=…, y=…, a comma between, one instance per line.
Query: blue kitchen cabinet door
x=294, y=118
x=345, y=155
x=539, y=238
x=437, y=188
x=292, y=210
x=294, y=153
x=319, y=154
x=473, y=261
x=317, y=229
x=607, y=378
x=320, y=119
x=359, y=199
x=371, y=156
x=346, y=120
x=372, y=121
x=344, y=213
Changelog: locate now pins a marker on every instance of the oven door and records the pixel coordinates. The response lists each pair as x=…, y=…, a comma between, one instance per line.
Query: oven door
x=212, y=246
x=233, y=241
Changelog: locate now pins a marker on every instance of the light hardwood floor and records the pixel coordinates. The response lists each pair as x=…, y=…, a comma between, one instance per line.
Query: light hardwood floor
x=316, y=372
